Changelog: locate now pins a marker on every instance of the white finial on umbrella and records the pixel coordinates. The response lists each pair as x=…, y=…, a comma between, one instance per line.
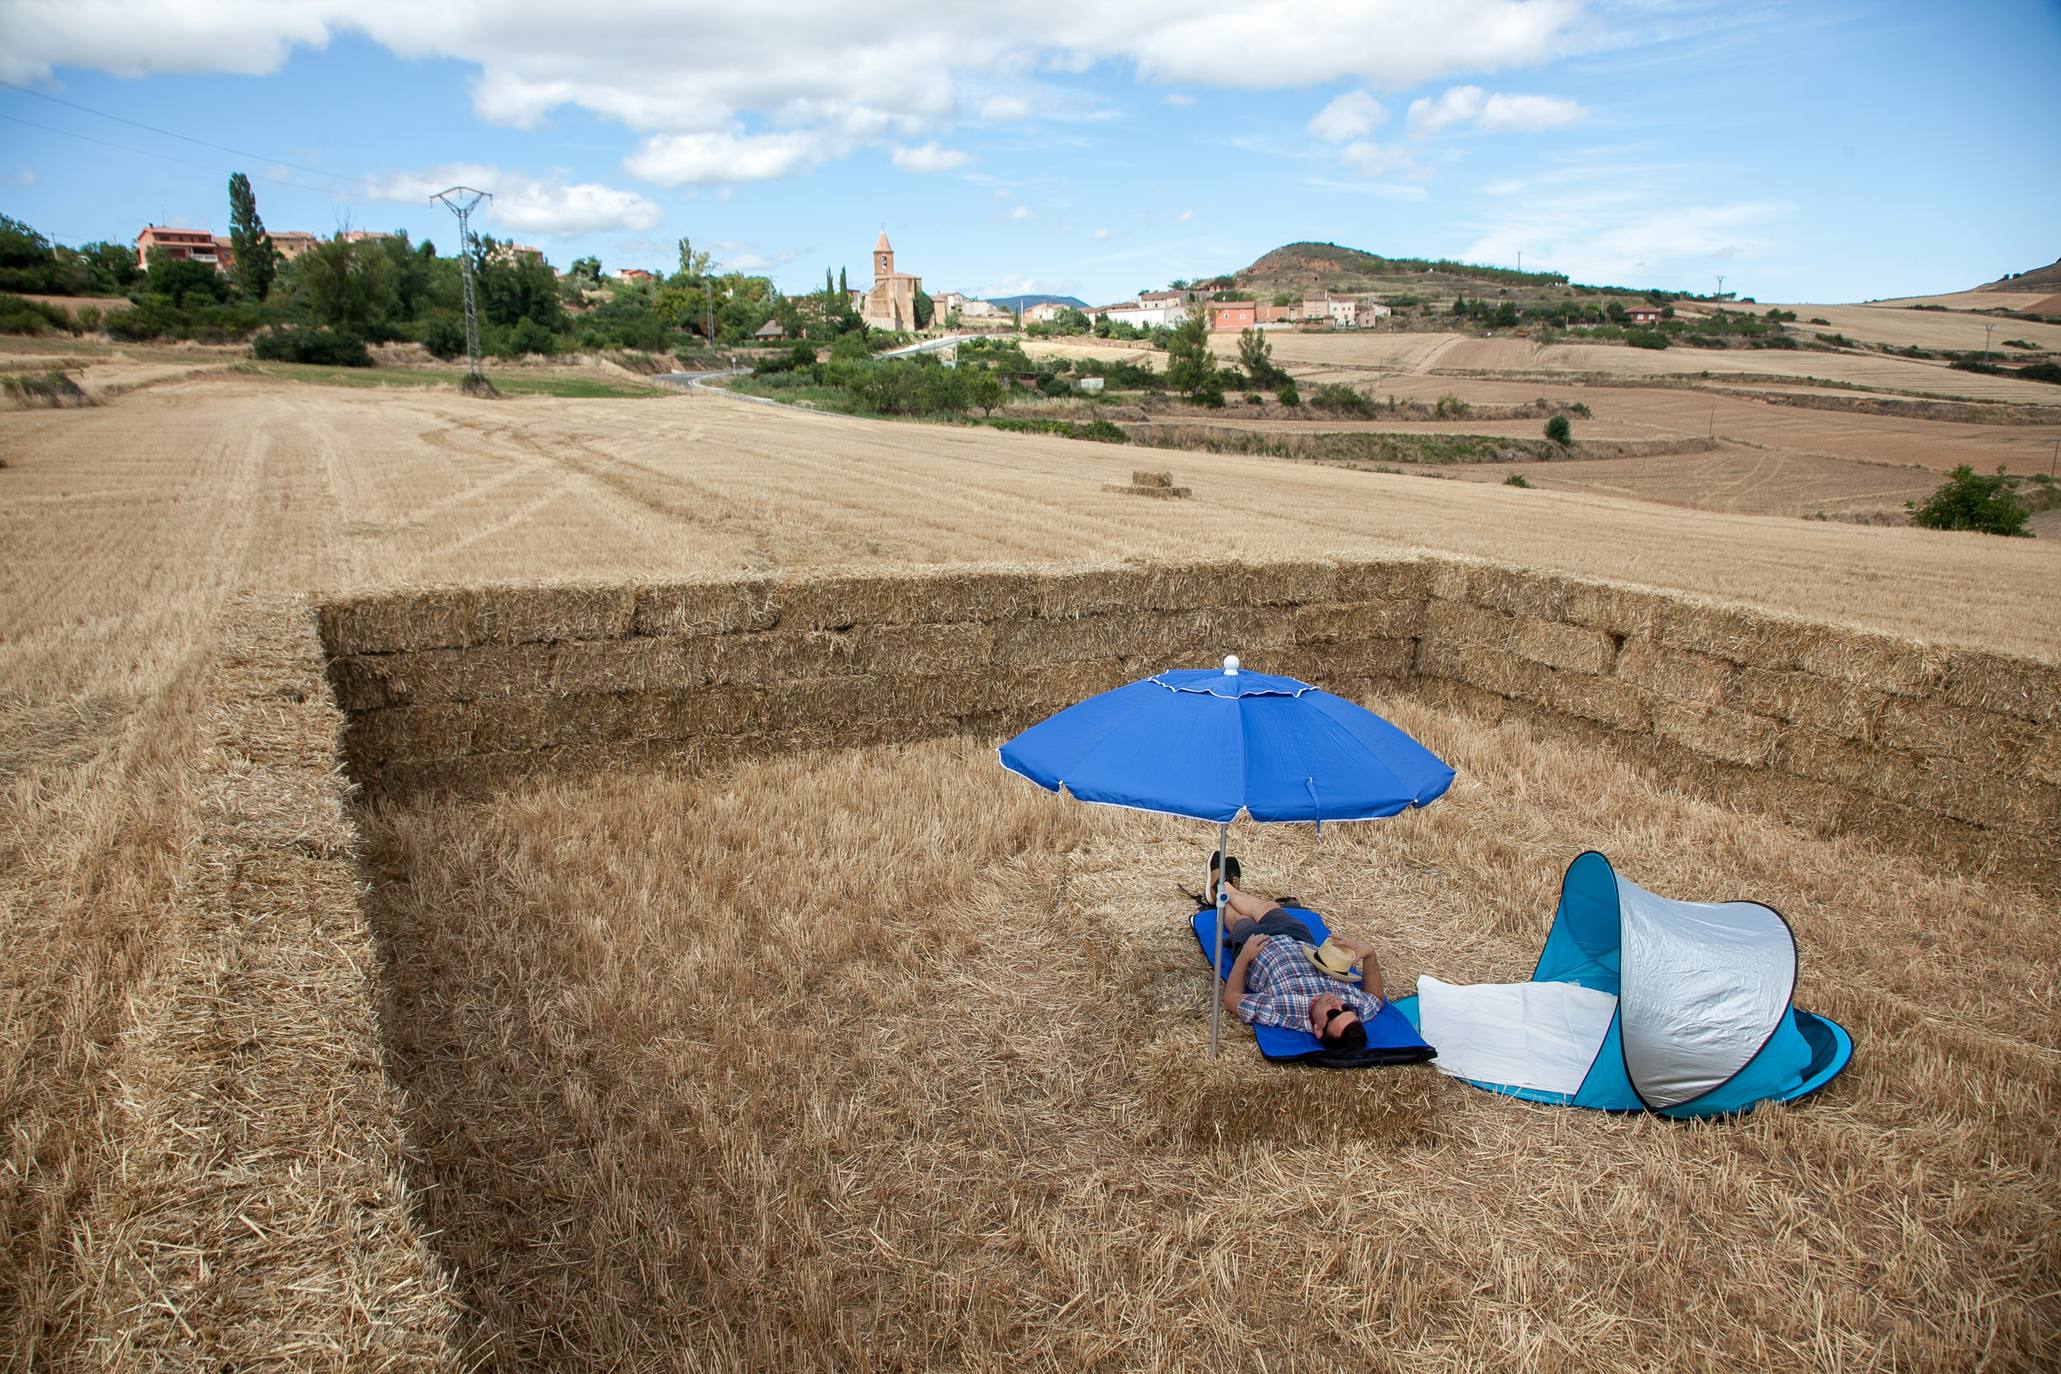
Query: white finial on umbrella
x=1230, y=665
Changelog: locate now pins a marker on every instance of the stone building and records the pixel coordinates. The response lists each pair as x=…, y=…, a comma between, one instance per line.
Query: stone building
x=891, y=304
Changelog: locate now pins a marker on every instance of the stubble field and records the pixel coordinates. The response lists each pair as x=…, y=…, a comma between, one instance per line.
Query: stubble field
x=641, y=1138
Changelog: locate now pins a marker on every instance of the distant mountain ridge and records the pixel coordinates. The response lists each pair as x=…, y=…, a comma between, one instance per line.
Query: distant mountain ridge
x=1027, y=301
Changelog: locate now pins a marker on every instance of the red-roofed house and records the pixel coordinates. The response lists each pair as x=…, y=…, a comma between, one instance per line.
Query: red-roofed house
x=160, y=244
x=1642, y=314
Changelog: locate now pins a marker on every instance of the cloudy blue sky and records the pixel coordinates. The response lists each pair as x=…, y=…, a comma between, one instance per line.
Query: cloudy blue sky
x=1822, y=151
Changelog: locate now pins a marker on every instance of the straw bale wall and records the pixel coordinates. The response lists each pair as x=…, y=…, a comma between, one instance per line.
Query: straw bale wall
x=1956, y=752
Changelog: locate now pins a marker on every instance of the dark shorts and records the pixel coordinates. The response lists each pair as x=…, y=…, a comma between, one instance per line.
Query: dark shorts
x=1274, y=922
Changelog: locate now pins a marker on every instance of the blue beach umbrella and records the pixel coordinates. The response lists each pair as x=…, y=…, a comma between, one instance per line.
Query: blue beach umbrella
x=1214, y=745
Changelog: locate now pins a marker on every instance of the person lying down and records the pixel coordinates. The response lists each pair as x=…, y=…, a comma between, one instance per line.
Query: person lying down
x=1281, y=976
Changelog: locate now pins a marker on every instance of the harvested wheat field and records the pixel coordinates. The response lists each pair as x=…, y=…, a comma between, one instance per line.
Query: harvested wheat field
x=526, y=1097
x=885, y=1059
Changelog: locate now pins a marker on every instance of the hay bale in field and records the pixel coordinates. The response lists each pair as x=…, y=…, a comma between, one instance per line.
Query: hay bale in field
x=1602, y=700
x=1156, y=491
x=1328, y=622
x=1141, y=478
x=2012, y=686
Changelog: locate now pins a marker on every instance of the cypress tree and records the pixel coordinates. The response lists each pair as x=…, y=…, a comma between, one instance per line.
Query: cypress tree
x=257, y=263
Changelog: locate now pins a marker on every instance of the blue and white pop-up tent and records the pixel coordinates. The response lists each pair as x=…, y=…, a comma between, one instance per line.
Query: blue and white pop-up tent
x=1640, y=1003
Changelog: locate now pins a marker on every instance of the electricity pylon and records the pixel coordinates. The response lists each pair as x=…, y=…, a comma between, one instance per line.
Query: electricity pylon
x=463, y=200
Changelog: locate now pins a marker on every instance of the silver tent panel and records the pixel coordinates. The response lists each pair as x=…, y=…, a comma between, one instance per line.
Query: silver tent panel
x=1703, y=985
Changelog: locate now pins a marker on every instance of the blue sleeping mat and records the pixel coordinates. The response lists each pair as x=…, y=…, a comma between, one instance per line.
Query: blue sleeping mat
x=1391, y=1038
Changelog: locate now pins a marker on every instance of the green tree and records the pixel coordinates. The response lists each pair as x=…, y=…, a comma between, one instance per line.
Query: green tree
x=185, y=282
x=112, y=266
x=586, y=269
x=1966, y=501
x=257, y=263
x=926, y=309
x=1560, y=431
x=1189, y=366
x=1256, y=356
x=692, y=264
x=27, y=261
x=842, y=289
x=347, y=286
x=985, y=391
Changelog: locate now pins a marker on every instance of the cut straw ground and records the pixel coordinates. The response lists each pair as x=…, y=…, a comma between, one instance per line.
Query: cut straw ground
x=886, y=1060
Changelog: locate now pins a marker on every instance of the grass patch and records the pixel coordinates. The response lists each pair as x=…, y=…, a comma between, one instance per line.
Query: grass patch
x=422, y=378
x=1349, y=447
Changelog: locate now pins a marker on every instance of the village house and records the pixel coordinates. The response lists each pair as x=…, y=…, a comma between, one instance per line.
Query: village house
x=1225, y=316
x=972, y=308
x=947, y=302
x=1152, y=310
x=635, y=274
x=1642, y=314
x=1044, y=312
x=769, y=331
x=160, y=244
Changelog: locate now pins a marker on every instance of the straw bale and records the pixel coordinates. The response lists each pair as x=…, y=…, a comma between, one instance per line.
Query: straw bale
x=1737, y=636
x=1520, y=593
x=1623, y=611
x=1360, y=659
x=1981, y=795
x=411, y=732
x=1676, y=673
x=1156, y=493
x=1604, y=700
x=1714, y=731
x=391, y=622
x=1930, y=726
x=2018, y=687
x=1894, y=666
x=1816, y=703
x=962, y=647
x=1573, y=647
x=457, y=617
x=939, y=596
x=1455, y=623
x=710, y=606
x=1141, y=478
x=1155, y=639
x=1380, y=618
x=1180, y=587
x=1390, y=579
x=1455, y=579
x=1826, y=758
x=1491, y=669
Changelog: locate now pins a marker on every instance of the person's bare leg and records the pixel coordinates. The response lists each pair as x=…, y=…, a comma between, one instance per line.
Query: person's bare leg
x=1244, y=906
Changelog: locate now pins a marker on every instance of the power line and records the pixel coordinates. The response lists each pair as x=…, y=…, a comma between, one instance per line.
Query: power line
x=167, y=157
x=184, y=138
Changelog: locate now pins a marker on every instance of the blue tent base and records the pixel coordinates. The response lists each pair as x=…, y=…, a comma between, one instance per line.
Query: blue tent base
x=1392, y=1038
x=1831, y=1048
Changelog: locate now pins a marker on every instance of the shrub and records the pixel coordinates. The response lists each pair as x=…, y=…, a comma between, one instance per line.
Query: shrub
x=1560, y=431
x=1966, y=501
x=1449, y=407
x=2042, y=372
x=530, y=337
x=86, y=319
x=2021, y=343
x=1253, y=398
x=1516, y=479
x=1645, y=338
x=444, y=337
x=1340, y=397
x=1819, y=319
x=20, y=315
x=305, y=344
x=1211, y=395
x=1287, y=395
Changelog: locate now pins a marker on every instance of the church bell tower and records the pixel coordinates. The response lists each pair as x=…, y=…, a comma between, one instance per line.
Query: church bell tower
x=883, y=258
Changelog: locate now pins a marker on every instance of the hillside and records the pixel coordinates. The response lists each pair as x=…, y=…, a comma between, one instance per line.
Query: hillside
x=1330, y=266
x=1027, y=301
x=2046, y=278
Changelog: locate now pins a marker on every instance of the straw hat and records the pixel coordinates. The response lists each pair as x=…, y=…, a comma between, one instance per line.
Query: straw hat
x=1331, y=957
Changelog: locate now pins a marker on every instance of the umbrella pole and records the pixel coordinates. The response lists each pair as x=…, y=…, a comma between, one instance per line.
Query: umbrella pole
x=1216, y=950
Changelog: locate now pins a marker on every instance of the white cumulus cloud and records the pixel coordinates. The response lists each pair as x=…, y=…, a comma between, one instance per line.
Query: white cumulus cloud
x=929, y=157
x=741, y=93
x=1004, y=107
x=529, y=205
x=1493, y=112
x=1352, y=115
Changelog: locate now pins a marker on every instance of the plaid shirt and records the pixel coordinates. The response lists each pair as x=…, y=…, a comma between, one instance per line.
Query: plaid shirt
x=1281, y=982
